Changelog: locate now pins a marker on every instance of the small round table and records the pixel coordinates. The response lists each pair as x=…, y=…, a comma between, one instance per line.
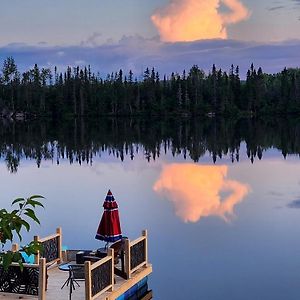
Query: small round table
x=70, y=280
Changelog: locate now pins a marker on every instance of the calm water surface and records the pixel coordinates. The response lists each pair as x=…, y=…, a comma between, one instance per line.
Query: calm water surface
x=221, y=201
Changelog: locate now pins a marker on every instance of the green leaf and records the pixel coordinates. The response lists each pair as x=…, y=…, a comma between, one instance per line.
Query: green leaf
x=7, y=259
x=7, y=232
x=19, y=235
x=12, y=223
x=31, y=214
x=36, y=197
x=34, y=203
x=32, y=248
x=18, y=200
x=21, y=265
x=18, y=229
x=16, y=257
x=26, y=225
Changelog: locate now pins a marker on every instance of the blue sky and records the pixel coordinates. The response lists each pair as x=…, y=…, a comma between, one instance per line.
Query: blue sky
x=58, y=32
x=73, y=21
x=70, y=22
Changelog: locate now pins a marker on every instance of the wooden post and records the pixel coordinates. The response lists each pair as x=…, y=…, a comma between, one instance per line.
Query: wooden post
x=88, y=280
x=111, y=252
x=14, y=247
x=59, y=231
x=36, y=256
x=64, y=255
x=127, y=258
x=42, y=279
x=145, y=234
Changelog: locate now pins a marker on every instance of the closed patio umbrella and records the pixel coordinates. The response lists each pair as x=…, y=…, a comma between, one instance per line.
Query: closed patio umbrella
x=109, y=229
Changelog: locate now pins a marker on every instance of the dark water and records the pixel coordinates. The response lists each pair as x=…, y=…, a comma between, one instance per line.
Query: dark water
x=220, y=199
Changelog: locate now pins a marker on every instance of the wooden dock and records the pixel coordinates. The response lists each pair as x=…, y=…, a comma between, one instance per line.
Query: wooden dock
x=99, y=281
x=57, y=278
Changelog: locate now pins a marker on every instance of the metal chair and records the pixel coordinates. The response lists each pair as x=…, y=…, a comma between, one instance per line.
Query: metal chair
x=76, y=272
x=119, y=256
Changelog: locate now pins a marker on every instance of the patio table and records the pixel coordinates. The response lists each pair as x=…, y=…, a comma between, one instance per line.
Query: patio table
x=70, y=280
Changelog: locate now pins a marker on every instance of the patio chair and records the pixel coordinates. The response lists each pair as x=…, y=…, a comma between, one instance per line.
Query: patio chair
x=118, y=247
x=119, y=256
x=92, y=259
x=76, y=272
x=74, y=263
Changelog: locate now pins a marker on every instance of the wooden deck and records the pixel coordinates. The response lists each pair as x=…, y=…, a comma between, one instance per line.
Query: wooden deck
x=134, y=262
x=57, y=279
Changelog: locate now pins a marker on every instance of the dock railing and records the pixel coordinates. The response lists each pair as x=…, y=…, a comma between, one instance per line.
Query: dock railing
x=136, y=254
x=99, y=276
x=51, y=248
x=31, y=280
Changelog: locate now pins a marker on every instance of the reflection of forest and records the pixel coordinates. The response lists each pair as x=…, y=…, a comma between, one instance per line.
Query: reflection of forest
x=80, y=141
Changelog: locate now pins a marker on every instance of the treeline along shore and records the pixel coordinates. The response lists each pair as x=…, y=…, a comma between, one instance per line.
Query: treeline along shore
x=84, y=140
x=42, y=92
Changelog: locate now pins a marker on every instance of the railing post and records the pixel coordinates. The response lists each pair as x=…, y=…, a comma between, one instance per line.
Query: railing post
x=36, y=238
x=59, y=232
x=42, y=279
x=145, y=234
x=111, y=252
x=127, y=258
x=88, y=280
x=14, y=247
x=64, y=255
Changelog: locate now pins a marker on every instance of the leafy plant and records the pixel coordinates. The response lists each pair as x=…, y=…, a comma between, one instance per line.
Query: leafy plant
x=11, y=225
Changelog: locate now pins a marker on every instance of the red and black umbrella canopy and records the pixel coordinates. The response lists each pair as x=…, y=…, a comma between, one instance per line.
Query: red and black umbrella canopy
x=109, y=229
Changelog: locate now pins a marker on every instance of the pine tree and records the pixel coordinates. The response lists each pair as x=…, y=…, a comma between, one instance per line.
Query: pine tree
x=10, y=75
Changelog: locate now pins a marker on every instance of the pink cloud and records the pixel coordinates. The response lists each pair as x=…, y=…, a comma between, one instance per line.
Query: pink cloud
x=197, y=191
x=190, y=20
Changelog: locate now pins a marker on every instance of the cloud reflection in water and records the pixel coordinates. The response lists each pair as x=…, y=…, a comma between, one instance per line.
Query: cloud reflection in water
x=196, y=191
x=294, y=204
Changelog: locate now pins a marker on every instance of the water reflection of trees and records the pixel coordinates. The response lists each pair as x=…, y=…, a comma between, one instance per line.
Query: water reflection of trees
x=80, y=141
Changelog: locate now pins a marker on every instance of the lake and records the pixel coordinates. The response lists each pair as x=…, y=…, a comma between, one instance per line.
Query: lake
x=220, y=198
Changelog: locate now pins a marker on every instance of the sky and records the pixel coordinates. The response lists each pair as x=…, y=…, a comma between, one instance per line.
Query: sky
x=145, y=32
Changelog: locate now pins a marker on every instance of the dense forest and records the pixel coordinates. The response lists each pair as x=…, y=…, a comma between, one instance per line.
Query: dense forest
x=83, y=141
x=80, y=92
